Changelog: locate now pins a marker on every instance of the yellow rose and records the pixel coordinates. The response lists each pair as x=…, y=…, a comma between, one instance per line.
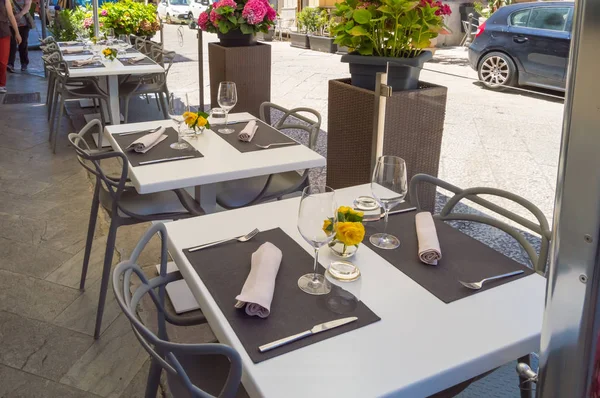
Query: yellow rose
x=344, y=209
x=357, y=213
x=350, y=233
x=190, y=118
x=202, y=121
x=326, y=225
x=106, y=52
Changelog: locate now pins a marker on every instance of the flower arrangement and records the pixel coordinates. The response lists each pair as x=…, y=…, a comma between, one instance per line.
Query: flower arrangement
x=196, y=120
x=249, y=16
x=349, y=231
x=110, y=53
x=389, y=28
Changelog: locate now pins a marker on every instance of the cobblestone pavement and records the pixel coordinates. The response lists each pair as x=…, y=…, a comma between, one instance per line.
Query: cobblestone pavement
x=507, y=140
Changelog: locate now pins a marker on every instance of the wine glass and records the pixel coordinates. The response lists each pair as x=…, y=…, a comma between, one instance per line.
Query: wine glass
x=227, y=98
x=389, y=187
x=316, y=205
x=123, y=44
x=110, y=36
x=176, y=110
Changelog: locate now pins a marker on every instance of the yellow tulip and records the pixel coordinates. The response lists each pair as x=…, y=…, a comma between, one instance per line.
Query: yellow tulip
x=350, y=233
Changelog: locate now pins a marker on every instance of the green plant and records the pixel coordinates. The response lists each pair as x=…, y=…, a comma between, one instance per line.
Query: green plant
x=486, y=11
x=62, y=27
x=308, y=19
x=482, y=10
x=389, y=28
x=129, y=17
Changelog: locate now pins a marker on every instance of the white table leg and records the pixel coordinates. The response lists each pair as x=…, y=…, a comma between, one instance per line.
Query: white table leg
x=113, y=91
x=206, y=196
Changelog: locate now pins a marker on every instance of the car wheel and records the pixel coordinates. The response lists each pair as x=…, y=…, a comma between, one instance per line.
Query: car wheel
x=497, y=70
x=168, y=19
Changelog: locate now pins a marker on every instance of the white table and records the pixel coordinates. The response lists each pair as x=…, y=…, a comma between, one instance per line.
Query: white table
x=221, y=162
x=420, y=346
x=111, y=71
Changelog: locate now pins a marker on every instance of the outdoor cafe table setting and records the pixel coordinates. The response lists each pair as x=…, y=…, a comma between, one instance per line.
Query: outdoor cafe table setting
x=211, y=157
x=403, y=328
x=109, y=69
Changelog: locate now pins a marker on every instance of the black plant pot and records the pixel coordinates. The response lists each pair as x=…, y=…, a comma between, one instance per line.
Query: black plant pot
x=299, y=40
x=403, y=74
x=322, y=43
x=236, y=38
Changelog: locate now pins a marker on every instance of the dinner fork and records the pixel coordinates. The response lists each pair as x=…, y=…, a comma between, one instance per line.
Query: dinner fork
x=479, y=285
x=154, y=130
x=275, y=144
x=243, y=238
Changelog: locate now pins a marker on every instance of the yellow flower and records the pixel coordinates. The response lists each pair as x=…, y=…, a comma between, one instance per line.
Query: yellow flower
x=326, y=225
x=202, y=121
x=190, y=118
x=344, y=209
x=106, y=52
x=357, y=213
x=350, y=233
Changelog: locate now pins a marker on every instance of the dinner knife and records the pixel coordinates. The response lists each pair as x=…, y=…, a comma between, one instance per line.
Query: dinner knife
x=165, y=159
x=316, y=329
x=378, y=217
x=154, y=130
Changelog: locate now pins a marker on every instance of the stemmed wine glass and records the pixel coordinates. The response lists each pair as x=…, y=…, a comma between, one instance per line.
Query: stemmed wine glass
x=389, y=187
x=317, y=205
x=176, y=110
x=110, y=36
x=227, y=98
x=123, y=44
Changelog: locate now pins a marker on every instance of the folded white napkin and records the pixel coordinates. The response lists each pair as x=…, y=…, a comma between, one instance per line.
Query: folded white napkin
x=148, y=141
x=248, y=132
x=69, y=43
x=259, y=287
x=83, y=62
x=135, y=58
x=73, y=50
x=429, y=246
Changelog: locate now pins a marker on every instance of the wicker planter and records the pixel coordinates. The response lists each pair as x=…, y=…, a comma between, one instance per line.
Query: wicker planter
x=299, y=40
x=249, y=67
x=364, y=69
x=322, y=43
x=414, y=123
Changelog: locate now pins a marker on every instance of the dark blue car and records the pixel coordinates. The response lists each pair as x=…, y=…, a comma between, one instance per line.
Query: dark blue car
x=524, y=44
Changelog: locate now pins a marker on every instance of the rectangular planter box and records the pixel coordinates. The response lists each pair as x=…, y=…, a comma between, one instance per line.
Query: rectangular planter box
x=248, y=67
x=322, y=43
x=299, y=40
x=414, y=124
x=342, y=50
x=265, y=37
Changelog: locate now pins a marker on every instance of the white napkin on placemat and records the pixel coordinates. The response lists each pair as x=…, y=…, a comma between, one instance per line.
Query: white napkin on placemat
x=83, y=62
x=136, y=59
x=147, y=142
x=259, y=287
x=248, y=132
x=69, y=43
x=73, y=50
x=429, y=245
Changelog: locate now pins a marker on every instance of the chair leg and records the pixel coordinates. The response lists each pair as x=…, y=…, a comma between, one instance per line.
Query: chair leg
x=102, y=118
x=108, y=256
x=60, y=116
x=126, y=108
x=90, y=234
x=153, y=380
x=53, y=113
x=50, y=95
x=524, y=386
x=164, y=105
x=157, y=101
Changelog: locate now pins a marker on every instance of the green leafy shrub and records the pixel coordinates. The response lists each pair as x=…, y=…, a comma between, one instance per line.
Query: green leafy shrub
x=130, y=17
x=308, y=20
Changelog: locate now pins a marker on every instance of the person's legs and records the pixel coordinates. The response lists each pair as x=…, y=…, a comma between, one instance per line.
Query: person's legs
x=4, y=53
x=13, y=51
x=23, y=47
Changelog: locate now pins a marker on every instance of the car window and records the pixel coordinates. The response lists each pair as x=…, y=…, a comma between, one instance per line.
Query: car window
x=520, y=18
x=548, y=18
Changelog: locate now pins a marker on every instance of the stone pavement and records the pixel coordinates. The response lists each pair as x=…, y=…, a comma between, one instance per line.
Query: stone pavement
x=507, y=140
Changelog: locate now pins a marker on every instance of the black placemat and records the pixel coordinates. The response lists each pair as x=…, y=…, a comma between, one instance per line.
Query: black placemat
x=224, y=269
x=160, y=151
x=463, y=258
x=96, y=64
x=145, y=61
x=264, y=135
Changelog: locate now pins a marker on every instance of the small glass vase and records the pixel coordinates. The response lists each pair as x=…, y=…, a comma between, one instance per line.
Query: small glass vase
x=341, y=250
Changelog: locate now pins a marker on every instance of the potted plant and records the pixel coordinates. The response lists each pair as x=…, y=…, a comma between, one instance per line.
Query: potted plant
x=321, y=40
x=388, y=31
x=307, y=23
x=237, y=22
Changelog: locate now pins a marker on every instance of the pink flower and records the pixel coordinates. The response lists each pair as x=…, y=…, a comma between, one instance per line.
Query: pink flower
x=203, y=20
x=88, y=22
x=214, y=18
x=271, y=13
x=254, y=11
x=104, y=13
x=223, y=3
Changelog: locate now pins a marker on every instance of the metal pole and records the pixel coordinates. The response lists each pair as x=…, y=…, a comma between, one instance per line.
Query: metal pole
x=96, y=19
x=201, y=68
x=572, y=315
x=43, y=18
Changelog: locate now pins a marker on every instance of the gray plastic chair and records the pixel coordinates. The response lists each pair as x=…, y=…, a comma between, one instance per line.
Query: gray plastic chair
x=193, y=370
x=123, y=204
x=538, y=260
x=250, y=191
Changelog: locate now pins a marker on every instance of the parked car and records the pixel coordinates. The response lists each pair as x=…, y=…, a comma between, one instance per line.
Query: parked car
x=196, y=7
x=172, y=11
x=524, y=44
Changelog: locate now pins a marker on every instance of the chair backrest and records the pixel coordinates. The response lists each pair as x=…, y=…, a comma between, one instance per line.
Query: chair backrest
x=50, y=48
x=163, y=351
x=313, y=127
x=51, y=58
x=541, y=228
x=163, y=58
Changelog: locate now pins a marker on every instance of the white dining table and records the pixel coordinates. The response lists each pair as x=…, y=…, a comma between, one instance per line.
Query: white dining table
x=111, y=72
x=421, y=345
x=220, y=162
